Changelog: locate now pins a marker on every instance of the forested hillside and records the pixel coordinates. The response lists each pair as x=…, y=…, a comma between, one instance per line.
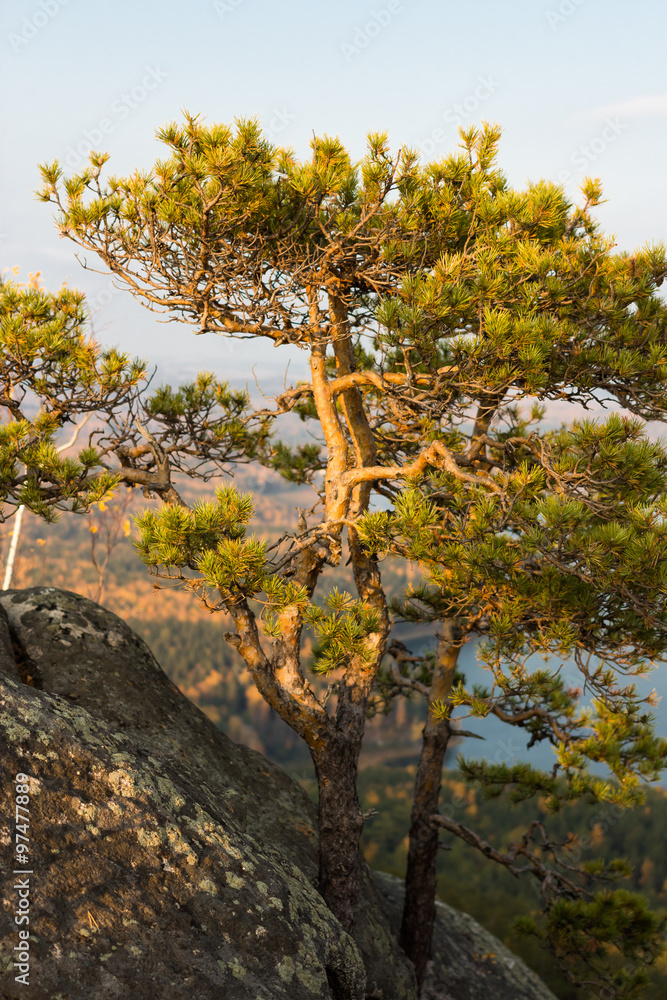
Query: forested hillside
x=188, y=644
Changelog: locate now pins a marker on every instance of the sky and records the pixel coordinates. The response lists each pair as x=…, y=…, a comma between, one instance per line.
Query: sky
x=578, y=87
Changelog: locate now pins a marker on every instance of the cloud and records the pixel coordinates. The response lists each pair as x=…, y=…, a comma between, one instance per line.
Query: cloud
x=645, y=106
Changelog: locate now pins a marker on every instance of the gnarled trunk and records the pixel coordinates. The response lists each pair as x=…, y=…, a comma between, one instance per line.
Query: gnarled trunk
x=420, y=881
x=336, y=761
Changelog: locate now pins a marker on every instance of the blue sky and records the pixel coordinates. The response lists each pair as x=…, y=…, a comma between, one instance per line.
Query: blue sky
x=578, y=86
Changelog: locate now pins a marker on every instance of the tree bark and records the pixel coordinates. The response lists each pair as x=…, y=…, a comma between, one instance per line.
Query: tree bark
x=420, y=881
x=340, y=816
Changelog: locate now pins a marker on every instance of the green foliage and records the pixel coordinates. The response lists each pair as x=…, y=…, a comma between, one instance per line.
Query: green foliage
x=296, y=465
x=209, y=539
x=51, y=375
x=583, y=933
x=342, y=633
x=567, y=558
x=204, y=424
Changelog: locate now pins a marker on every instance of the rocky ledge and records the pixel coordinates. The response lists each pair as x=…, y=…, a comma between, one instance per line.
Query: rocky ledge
x=167, y=861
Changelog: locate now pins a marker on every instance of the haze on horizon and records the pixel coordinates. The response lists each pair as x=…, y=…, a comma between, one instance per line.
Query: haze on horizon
x=577, y=86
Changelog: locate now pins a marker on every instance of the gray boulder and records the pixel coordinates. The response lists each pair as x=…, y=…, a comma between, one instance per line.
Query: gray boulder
x=468, y=962
x=170, y=862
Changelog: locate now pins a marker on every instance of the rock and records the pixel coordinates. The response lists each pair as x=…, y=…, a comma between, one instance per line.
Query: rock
x=168, y=861
x=89, y=665
x=88, y=656
x=468, y=962
x=8, y=655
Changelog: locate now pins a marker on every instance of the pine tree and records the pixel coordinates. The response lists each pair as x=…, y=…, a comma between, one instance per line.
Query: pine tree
x=430, y=300
x=541, y=541
x=53, y=374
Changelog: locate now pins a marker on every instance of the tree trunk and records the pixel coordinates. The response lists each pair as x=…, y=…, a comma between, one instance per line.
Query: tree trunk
x=337, y=759
x=11, y=558
x=420, y=880
x=340, y=816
